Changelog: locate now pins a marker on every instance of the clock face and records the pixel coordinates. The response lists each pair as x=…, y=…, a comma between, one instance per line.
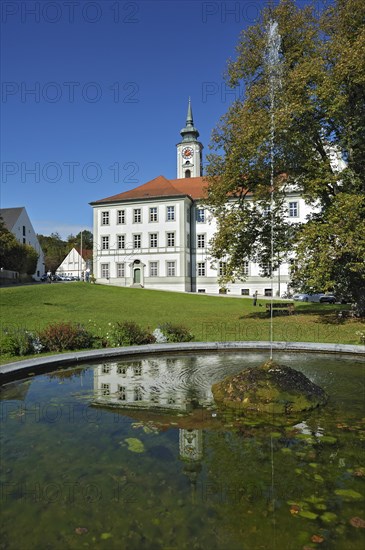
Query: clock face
x=187, y=153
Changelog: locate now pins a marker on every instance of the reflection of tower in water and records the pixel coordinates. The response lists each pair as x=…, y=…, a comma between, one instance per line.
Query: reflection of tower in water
x=191, y=453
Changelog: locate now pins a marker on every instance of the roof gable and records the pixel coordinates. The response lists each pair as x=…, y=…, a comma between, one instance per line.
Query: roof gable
x=162, y=187
x=10, y=216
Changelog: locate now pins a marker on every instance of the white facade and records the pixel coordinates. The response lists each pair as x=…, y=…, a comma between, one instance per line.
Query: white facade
x=17, y=221
x=74, y=265
x=157, y=235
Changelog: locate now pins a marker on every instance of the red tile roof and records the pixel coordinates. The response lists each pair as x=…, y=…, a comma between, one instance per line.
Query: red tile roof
x=162, y=187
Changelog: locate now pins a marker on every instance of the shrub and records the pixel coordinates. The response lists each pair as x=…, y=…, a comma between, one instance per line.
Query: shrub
x=176, y=333
x=129, y=333
x=62, y=336
x=19, y=341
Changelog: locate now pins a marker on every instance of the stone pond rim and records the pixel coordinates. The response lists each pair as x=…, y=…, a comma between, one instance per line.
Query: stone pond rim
x=269, y=389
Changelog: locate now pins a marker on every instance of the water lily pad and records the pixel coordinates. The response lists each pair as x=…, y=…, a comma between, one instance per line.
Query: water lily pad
x=349, y=494
x=318, y=539
x=135, y=445
x=307, y=514
x=357, y=522
x=328, y=440
x=81, y=530
x=328, y=517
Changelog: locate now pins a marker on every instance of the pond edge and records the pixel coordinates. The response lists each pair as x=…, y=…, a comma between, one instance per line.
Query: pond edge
x=12, y=370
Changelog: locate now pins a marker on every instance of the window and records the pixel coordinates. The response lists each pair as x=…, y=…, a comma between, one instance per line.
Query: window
x=201, y=290
x=136, y=241
x=137, y=370
x=105, y=218
x=23, y=230
x=222, y=268
x=187, y=173
x=170, y=213
x=105, y=243
x=122, y=393
x=201, y=241
x=121, y=270
x=170, y=239
x=200, y=269
x=138, y=394
x=121, y=369
x=153, y=269
x=137, y=215
x=105, y=389
x=105, y=369
x=153, y=214
x=293, y=209
x=153, y=240
x=155, y=397
x=245, y=268
x=120, y=241
x=120, y=216
x=105, y=271
x=245, y=291
x=267, y=292
x=200, y=215
x=171, y=270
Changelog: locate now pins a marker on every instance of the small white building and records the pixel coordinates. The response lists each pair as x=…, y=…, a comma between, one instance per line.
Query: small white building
x=17, y=222
x=157, y=235
x=76, y=264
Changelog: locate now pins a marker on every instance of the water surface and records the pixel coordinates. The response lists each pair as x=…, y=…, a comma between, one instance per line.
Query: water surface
x=134, y=455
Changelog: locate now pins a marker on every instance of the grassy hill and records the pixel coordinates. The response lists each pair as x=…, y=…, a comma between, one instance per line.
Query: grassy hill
x=209, y=318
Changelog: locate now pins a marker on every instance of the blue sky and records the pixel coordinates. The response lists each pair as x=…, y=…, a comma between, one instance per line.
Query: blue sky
x=94, y=94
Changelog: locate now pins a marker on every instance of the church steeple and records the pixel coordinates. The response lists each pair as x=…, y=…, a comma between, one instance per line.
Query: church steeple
x=189, y=133
x=189, y=150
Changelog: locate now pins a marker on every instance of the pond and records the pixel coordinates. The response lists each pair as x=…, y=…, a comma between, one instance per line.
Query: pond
x=133, y=454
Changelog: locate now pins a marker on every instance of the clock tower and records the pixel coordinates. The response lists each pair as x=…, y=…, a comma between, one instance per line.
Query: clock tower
x=189, y=150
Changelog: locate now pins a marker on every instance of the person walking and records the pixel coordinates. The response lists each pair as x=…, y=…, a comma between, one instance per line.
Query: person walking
x=255, y=298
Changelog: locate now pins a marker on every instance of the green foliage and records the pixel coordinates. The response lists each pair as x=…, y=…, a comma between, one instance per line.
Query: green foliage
x=65, y=336
x=176, y=333
x=19, y=341
x=29, y=265
x=318, y=112
x=128, y=333
x=14, y=255
x=55, y=249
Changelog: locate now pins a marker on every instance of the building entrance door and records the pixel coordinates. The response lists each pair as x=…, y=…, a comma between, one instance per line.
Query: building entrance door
x=137, y=276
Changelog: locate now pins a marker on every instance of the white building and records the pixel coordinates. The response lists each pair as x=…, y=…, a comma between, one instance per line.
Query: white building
x=17, y=222
x=157, y=235
x=75, y=264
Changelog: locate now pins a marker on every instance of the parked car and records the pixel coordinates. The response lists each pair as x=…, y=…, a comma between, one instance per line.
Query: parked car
x=44, y=277
x=56, y=278
x=301, y=297
x=319, y=297
x=327, y=299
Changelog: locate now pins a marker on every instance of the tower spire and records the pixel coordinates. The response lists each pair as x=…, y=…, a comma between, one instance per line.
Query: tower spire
x=189, y=117
x=189, y=133
x=189, y=150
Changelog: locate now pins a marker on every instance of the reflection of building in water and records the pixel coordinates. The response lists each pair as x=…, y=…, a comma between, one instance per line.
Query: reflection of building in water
x=191, y=444
x=148, y=383
x=191, y=452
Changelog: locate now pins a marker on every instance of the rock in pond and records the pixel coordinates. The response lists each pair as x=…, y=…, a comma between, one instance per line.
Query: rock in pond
x=270, y=388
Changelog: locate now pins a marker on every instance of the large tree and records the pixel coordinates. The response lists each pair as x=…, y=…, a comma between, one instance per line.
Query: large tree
x=318, y=112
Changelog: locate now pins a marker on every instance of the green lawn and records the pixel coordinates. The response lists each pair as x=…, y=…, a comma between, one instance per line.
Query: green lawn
x=208, y=317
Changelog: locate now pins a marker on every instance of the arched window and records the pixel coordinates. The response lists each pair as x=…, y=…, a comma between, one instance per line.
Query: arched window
x=187, y=174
